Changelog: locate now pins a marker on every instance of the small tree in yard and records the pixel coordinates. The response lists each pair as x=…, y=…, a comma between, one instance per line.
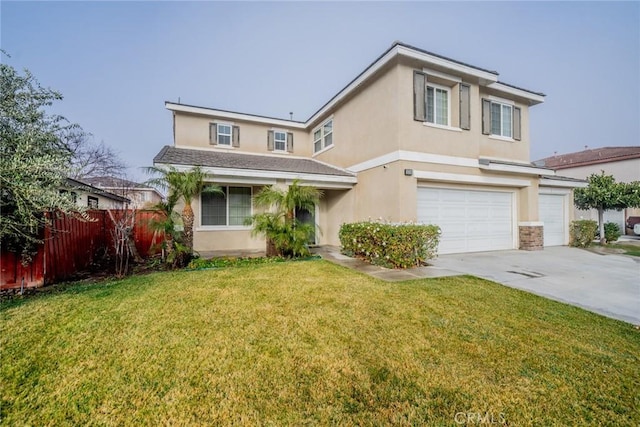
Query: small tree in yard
x=34, y=161
x=604, y=193
x=286, y=235
x=185, y=185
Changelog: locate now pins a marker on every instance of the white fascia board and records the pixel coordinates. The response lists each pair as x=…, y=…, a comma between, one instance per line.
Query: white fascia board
x=353, y=85
x=471, y=179
x=528, y=170
x=233, y=116
x=269, y=177
x=550, y=182
x=532, y=97
x=530, y=224
x=414, y=156
x=450, y=65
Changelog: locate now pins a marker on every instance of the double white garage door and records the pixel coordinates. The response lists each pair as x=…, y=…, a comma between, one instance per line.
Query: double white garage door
x=474, y=220
x=470, y=220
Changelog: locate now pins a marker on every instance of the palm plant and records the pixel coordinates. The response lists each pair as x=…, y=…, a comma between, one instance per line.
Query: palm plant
x=185, y=185
x=285, y=234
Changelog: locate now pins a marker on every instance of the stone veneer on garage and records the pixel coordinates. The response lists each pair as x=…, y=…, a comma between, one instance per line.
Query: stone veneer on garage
x=531, y=237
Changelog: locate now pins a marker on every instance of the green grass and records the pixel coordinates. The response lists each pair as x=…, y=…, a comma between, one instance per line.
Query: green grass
x=310, y=343
x=629, y=249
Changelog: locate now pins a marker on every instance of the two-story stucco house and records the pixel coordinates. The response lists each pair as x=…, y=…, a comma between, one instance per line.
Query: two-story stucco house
x=415, y=137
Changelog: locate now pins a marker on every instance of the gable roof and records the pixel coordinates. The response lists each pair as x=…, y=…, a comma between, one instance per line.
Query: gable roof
x=80, y=185
x=489, y=79
x=114, y=182
x=226, y=160
x=590, y=157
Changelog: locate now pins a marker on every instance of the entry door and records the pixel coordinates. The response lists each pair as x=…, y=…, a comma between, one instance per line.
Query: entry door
x=470, y=220
x=306, y=217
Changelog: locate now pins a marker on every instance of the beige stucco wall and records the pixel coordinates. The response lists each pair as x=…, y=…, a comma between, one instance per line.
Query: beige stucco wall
x=622, y=171
x=365, y=126
x=192, y=130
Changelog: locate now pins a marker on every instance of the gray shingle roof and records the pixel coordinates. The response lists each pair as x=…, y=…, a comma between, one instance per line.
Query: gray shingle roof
x=216, y=159
x=113, y=182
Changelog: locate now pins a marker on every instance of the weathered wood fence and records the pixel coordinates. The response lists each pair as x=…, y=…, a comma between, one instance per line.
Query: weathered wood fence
x=72, y=245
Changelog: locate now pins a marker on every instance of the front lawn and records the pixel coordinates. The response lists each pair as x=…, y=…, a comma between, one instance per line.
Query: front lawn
x=315, y=344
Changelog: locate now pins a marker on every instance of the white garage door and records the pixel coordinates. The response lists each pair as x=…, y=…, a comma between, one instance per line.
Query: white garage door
x=471, y=221
x=551, y=208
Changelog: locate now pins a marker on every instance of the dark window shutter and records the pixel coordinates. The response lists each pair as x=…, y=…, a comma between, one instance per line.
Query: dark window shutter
x=486, y=116
x=289, y=142
x=517, y=132
x=236, y=136
x=213, y=133
x=270, y=144
x=419, y=82
x=465, y=106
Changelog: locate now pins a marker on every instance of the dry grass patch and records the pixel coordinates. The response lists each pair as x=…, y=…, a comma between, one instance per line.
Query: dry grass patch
x=311, y=343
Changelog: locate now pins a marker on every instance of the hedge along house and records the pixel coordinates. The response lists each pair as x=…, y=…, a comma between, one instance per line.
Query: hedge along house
x=415, y=137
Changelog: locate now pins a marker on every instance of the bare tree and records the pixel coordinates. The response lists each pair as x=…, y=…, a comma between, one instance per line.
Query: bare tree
x=89, y=158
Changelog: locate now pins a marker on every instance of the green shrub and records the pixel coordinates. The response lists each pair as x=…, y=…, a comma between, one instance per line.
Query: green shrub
x=611, y=231
x=390, y=245
x=583, y=232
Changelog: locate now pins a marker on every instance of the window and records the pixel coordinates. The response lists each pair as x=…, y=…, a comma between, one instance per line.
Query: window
x=437, y=105
x=92, y=202
x=500, y=119
x=323, y=136
x=280, y=140
x=229, y=209
x=224, y=134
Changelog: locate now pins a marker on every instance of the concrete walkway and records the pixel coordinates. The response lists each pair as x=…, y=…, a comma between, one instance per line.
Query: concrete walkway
x=604, y=284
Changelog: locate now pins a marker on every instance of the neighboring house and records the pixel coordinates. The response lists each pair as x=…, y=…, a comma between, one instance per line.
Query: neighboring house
x=415, y=137
x=86, y=195
x=141, y=195
x=621, y=162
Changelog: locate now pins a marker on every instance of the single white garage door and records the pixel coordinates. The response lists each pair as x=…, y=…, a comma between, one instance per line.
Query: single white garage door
x=470, y=220
x=551, y=208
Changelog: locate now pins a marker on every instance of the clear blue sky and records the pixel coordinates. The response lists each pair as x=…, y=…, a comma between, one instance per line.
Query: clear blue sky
x=117, y=62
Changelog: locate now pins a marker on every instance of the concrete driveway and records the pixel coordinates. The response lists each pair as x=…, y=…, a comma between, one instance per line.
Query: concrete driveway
x=605, y=284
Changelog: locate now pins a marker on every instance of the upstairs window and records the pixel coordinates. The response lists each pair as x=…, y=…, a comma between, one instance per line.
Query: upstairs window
x=224, y=135
x=501, y=119
x=323, y=136
x=280, y=140
x=433, y=98
x=437, y=105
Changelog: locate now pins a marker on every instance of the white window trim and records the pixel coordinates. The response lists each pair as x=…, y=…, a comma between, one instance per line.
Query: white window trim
x=501, y=137
x=448, y=90
x=276, y=150
x=433, y=125
x=218, y=144
x=323, y=136
x=224, y=227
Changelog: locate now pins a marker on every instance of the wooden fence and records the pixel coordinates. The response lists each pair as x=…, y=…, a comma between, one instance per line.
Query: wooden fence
x=72, y=245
